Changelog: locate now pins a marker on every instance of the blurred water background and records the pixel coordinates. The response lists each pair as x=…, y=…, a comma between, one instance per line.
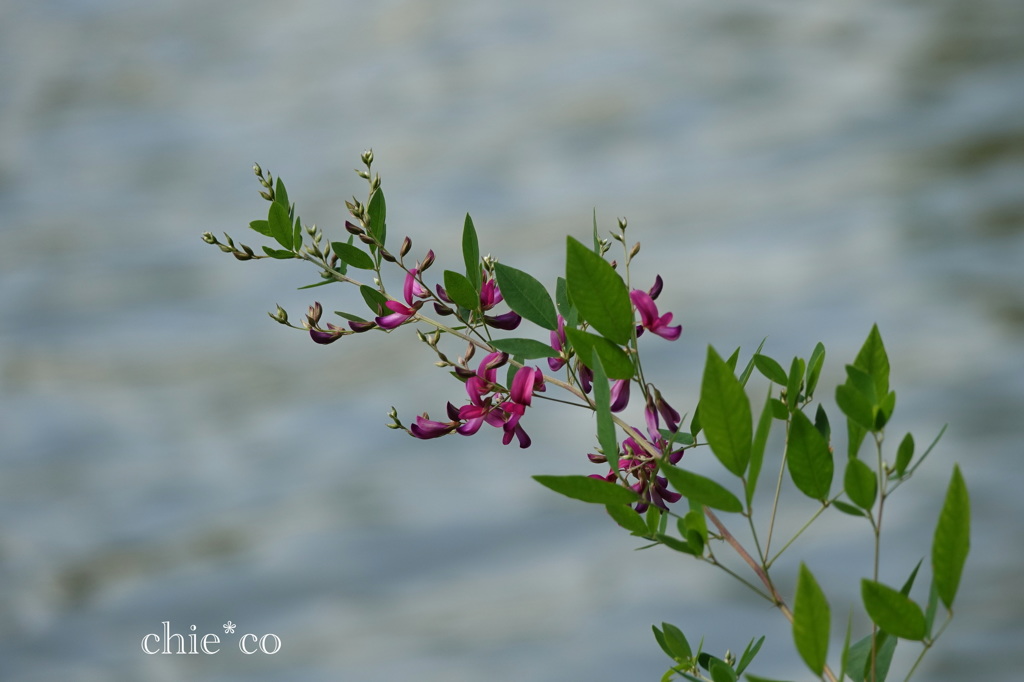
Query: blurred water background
x=794, y=170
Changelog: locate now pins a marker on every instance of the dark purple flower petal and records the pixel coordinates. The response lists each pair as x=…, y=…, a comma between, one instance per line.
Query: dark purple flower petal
x=508, y=321
x=620, y=395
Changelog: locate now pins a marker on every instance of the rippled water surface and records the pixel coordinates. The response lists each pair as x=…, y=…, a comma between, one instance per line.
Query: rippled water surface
x=794, y=170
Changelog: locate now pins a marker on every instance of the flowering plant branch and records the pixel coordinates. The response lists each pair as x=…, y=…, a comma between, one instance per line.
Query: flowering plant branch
x=594, y=325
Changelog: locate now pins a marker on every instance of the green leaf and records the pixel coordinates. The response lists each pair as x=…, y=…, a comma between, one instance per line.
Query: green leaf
x=374, y=299
x=598, y=293
x=952, y=539
x=676, y=645
x=771, y=369
x=749, y=369
x=297, y=234
x=701, y=489
x=280, y=254
x=758, y=678
x=725, y=414
x=626, y=516
x=904, y=453
x=873, y=359
x=848, y=508
x=814, y=366
x=892, y=611
x=748, y=655
x=528, y=349
x=588, y=489
x=461, y=291
x=860, y=483
x=262, y=226
x=811, y=621
x=280, y=224
x=821, y=422
x=603, y=412
x=932, y=608
x=471, y=256
x=810, y=462
x=565, y=306
x=526, y=296
x=378, y=212
x=281, y=195
x=694, y=528
x=722, y=672
x=858, y=660
x=764, y=427
x=794, y=384
x=616, y=363
x=856, y=406
x=352, y=255
x=676, y=544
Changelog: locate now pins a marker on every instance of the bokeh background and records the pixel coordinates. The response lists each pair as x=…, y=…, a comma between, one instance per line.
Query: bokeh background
x=794, y=170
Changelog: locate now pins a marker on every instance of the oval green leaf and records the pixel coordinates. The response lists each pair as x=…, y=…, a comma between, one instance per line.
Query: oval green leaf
x=617, y=365
x=811, y=621
x=771, y=369
x=807, y=454
x=526, y=296
x=471, y=253
x=860, y=483
x=725, y=414
x=598, y=293
x=700, y=489
x=892, y=611
x=460, y=290
x=528, y=349
x=952, y=539
x=353, y=255
x=588, y=489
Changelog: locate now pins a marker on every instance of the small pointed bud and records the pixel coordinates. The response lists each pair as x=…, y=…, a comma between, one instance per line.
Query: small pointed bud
x=367, y=157
x=441, y=363
x=267, y=195
x=354, y=229
x=406, y=247
x=279, y=315
x=427, y=261
x=421, y=336
x=614, y=264
x=435, y=338
x=315, y=312
x=617, y=237
x=386, y=255
x=209, y=238
x=375, y=183
x=635, y=250
x=257, y=170
x=470, y=350
x=623, y=223
x=363, y=174
x=366, y=239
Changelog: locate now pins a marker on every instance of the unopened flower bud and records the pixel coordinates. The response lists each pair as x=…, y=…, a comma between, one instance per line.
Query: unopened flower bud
x=209, y=238
x=257, y=170
x=406, y=247
x=367, y=157
x=366, y=239
x=622, y=223
x=363, y=174
x=314, y=313
x=386, y=255
x=354, y=229
x=635, y=250
x=279, y=315
x=427, y=261
x=470, y=350
x=375, y=183
x=267, y=195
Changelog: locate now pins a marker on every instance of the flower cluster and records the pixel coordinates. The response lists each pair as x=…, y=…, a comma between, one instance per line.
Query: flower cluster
x=489, y=402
